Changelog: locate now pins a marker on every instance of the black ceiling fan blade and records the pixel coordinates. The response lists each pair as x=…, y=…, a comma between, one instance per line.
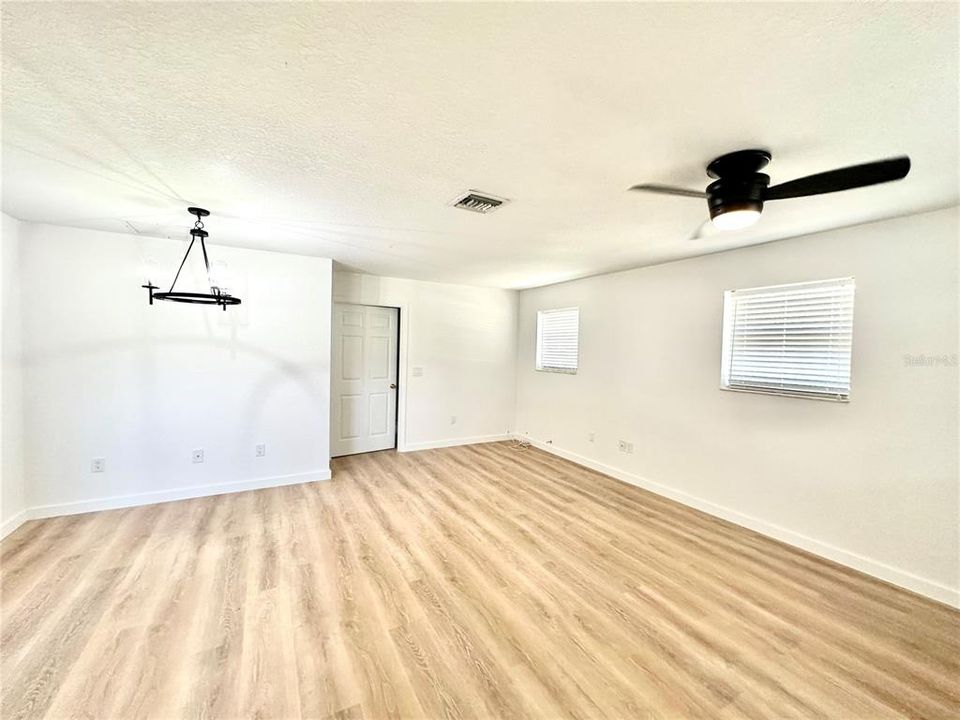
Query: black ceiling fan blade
x=846, y=178
x=668, y=190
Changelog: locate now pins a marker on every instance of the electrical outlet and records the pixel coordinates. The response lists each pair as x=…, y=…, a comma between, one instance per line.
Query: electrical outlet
x=591, y=437
x=453, y=419
x=197, y=455
x=629, y=448
x=261, y=450
x=98, y=465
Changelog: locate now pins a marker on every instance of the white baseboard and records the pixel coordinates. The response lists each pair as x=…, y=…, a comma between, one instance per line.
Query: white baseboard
x=412, y=447
x=11, y=524
x=923, y=586
x=159, y=496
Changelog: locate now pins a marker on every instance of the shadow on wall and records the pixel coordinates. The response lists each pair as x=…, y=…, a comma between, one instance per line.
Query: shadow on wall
x=142, y=354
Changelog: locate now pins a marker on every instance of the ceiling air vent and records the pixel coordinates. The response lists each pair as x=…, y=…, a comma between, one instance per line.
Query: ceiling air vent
x=478, y=202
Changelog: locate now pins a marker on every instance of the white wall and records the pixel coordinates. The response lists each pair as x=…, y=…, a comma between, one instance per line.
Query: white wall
x=464, y=339
x=872, y=483
x=106, y=375
x=12, y=497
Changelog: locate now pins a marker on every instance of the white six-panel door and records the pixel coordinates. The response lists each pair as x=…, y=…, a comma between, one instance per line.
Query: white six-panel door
x=363, y=380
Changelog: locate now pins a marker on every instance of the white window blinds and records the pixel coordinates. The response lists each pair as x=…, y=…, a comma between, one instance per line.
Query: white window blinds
x=558, y=339
x=789, y=339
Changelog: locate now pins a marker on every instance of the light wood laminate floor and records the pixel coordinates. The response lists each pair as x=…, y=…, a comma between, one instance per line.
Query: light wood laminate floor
x=458, y=583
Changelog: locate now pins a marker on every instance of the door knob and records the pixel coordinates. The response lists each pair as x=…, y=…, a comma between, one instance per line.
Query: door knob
x=393, y=386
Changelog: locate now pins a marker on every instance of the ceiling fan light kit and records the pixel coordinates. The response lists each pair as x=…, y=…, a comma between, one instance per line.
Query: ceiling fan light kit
x=217, y=295
x=734, y=219
x=736, y=196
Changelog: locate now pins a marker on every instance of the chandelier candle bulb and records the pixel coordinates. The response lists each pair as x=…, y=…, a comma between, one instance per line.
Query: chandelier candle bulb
x=220, y=276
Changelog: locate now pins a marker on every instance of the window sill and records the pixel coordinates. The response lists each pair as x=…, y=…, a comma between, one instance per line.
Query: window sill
x=562, y=371
x=787, y=393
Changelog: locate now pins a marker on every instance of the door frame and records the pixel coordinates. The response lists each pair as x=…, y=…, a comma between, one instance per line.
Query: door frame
x=403, y=330
x=400, y=429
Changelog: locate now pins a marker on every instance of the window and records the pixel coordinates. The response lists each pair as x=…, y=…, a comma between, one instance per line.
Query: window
x=789, y=339
x=558, y=340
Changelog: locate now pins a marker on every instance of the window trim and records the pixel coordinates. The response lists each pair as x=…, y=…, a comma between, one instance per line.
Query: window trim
x=727, y=350
x=537, y=364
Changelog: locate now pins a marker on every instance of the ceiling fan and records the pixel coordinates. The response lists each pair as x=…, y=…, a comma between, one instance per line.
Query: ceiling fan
x=739, y=190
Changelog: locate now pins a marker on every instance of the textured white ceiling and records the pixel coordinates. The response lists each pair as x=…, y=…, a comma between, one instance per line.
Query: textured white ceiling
x=344, y=129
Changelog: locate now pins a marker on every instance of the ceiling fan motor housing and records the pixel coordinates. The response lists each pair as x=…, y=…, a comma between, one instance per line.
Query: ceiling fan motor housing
x=737, y=193
x=739, y=185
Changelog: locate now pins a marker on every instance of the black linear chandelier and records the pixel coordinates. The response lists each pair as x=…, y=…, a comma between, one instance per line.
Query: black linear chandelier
x=216, y=296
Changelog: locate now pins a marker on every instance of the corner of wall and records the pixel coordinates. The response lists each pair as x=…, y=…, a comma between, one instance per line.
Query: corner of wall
x=13, y=500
